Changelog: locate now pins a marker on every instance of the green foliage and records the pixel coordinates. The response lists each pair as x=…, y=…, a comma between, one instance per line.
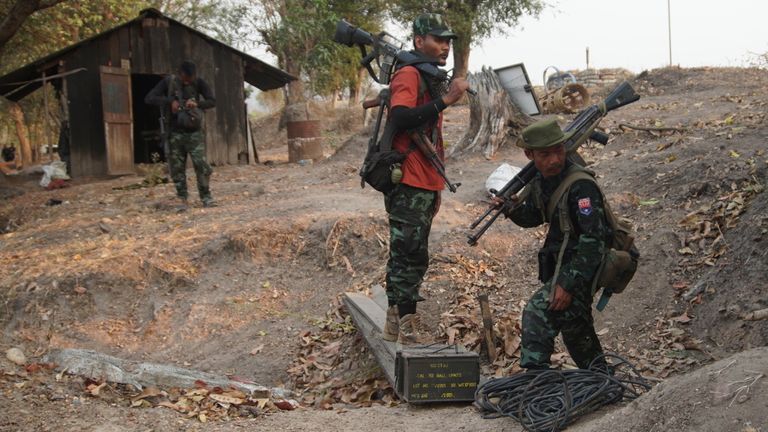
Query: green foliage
x=300, y=34
x=221, y=19
x=69, y=22
x=271, y=101
x=471, y=20
x=52, y=29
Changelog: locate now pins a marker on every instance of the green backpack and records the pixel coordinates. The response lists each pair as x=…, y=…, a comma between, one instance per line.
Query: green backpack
x=620, y=260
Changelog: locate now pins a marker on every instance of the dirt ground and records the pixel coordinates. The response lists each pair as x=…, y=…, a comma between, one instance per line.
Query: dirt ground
x=250, y=288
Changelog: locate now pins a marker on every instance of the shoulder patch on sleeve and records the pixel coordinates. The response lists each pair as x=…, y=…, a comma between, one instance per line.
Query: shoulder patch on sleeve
x=585, y=206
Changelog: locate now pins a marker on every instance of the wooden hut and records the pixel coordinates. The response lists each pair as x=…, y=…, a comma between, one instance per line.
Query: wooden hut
x=102, y=81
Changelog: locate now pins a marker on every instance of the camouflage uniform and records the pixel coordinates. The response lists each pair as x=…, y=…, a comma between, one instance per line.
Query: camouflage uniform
x=582, y=255
x=192, y=143
x=183, y=142
x=581, y=260
x=410, y=212
x=413, y=202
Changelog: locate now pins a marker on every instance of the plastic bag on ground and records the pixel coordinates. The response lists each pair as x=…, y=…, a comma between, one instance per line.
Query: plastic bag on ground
x=500, y=177
x=56, y=170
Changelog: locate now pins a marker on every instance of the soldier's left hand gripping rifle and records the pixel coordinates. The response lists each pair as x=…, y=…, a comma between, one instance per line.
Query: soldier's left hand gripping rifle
x=582, y=128
x=387, y=52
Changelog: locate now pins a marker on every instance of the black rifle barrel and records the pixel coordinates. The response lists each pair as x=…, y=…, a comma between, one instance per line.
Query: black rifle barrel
x=581, y=128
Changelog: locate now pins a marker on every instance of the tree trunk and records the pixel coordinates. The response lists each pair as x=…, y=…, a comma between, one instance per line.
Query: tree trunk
x=22, y=132
x=461, y=50
x=356, y=90
x=493, y=117
x=296, y=87
x=334, y=98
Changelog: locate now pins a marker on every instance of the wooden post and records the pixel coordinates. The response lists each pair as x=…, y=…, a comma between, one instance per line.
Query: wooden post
x=64, y=110
x=485, y=311
x=46, y=118
x=587, y=58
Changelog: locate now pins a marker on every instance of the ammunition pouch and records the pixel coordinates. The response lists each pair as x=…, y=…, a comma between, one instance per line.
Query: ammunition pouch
x=190, y=119
x=377, y=169
x=620, y=262
x=547, y=264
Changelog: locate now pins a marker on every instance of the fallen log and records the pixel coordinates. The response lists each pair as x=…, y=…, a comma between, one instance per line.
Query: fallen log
x=102, y=367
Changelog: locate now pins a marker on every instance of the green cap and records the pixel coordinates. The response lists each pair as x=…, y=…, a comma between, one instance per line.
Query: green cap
x=542, y=135
x=434, y=24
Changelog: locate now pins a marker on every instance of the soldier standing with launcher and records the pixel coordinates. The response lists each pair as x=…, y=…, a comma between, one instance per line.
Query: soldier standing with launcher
x=416, y=104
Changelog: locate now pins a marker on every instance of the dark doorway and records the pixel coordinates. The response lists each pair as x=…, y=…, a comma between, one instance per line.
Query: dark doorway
x=146, y=121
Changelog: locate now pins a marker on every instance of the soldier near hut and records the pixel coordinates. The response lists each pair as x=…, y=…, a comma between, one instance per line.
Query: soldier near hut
x=417, y=102
x=570, y=258
x=185, y=96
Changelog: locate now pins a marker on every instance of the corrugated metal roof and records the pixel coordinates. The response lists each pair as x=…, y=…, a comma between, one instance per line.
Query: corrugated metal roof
x=20, y=82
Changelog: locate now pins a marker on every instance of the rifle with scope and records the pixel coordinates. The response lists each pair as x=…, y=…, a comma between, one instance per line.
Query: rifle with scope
x=582, y=128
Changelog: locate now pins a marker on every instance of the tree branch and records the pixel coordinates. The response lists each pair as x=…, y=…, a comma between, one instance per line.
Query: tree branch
x=19, y=13
x=48, y=3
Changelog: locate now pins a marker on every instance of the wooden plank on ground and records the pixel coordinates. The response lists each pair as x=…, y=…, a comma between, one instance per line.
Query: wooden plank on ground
x=379, y=296
x=369, y=318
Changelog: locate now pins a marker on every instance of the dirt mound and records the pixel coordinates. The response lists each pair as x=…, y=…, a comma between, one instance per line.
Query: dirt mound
x=676, y=80
x=728, y=395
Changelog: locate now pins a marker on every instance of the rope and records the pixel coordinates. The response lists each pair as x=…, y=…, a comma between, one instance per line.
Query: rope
x=549, y=400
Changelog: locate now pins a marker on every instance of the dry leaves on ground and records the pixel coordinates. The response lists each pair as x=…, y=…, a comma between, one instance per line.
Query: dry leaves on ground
x=334, y=366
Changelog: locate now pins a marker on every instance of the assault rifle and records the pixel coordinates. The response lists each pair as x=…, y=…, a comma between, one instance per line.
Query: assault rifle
x=582, y=128
x=164, y=138
x=389, y=54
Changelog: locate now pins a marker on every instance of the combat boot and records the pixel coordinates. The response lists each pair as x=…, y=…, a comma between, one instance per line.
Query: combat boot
x=392, y=325
x=209, y=202
x=182, y=205
x=411, y=331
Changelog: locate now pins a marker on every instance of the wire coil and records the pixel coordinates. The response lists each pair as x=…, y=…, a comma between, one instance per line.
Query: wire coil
x=549, y=400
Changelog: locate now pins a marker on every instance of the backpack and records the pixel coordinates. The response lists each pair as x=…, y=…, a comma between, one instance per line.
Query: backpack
x=189, y=119
x=620, y=260
x=381, y=159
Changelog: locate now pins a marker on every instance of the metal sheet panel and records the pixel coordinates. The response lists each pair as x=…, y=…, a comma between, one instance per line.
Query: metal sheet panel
x=515, y=81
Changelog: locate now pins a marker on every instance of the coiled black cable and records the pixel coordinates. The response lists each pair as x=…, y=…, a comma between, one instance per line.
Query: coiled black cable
x=549, y=400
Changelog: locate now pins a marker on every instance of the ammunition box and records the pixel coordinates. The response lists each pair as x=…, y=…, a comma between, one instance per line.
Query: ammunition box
x=436, y=373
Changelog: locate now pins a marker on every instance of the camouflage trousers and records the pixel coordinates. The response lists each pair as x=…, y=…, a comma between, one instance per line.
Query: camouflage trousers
x=410, y=212
x=541, y=326
x=189, y=143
